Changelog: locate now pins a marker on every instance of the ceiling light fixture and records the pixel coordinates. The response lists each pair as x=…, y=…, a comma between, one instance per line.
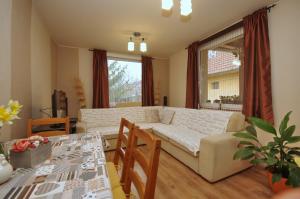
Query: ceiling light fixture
x=143, y=46
x=185, y=6
x=130, y=45
x=136, y=37
x=167, y=4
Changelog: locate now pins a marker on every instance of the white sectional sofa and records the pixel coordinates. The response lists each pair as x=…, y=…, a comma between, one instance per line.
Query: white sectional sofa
x=201, y=139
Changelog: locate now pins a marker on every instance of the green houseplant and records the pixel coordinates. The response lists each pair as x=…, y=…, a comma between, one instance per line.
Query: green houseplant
x=278, y=157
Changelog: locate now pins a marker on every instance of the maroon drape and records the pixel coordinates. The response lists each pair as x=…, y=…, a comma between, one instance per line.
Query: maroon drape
x=147, y=82
x=192, y=84
x=257, y=99
x=100, y=80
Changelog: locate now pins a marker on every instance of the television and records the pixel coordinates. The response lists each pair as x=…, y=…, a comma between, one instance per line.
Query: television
x=59, y=104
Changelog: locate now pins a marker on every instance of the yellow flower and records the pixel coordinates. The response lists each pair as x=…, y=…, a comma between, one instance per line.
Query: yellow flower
x=297, y=160
x=15, y=107
x=5, y=115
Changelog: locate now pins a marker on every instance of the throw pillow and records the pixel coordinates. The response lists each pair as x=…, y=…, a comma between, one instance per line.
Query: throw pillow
x=151, y=116
x=167, y=116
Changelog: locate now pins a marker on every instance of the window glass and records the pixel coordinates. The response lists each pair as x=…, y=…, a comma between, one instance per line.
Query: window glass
x=124, y=82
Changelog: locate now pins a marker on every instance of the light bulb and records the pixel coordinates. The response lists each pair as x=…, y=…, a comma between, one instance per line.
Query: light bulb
x=143, y=46
x=130, y=45
x=167, y=4
x=185, y=7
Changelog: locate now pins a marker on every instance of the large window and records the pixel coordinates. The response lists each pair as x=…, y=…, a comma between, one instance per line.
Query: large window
x=221, y=75
x=124, y=81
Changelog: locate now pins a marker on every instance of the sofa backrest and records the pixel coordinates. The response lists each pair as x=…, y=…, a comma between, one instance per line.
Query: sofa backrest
x=208, y=121
x=112, y=116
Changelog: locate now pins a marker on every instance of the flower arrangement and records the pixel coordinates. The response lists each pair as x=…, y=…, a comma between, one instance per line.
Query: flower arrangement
x=29, y=143
x=10, y=112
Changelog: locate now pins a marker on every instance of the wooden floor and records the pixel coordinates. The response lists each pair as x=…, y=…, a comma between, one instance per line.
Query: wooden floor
x=175, y=180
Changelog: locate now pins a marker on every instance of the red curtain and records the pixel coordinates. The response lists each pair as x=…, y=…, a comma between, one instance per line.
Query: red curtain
x=257, y=99
x=100, y=80
x=147, y=82
x=192, y=84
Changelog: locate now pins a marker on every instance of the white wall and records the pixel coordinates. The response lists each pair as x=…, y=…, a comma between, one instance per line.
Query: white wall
x=284, y=31
x=86, y=74
x=41, y=81
x=5, y=58
x=177, y=79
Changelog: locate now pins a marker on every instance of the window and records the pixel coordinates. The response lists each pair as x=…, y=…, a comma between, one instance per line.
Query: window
x=124, y=81
x=221, y=74
x=215, y=85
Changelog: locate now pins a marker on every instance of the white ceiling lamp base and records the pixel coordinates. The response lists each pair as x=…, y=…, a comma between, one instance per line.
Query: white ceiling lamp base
x=185, y=6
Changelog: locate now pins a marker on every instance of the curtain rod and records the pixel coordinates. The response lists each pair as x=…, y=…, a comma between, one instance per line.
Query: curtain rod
x=227, y=30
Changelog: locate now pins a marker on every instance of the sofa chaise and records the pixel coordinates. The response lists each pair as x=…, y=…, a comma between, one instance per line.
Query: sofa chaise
x=201, y=139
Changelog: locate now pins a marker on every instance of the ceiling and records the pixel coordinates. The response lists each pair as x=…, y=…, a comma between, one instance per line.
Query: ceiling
x=107, y=24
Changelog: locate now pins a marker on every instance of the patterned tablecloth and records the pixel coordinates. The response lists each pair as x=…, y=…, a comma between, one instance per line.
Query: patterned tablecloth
x=76, y=170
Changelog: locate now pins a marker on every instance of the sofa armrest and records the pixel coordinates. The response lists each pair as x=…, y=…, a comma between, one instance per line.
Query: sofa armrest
x=216, y=157
x=81, y=127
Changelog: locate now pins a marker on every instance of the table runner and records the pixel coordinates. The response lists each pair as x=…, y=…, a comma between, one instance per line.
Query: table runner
x=76, y=169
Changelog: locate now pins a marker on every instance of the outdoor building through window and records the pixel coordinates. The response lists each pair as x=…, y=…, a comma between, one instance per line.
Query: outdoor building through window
x=124, y=82
x=221, y=74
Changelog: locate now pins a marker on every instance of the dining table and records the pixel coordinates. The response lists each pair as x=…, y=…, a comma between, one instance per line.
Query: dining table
x=76, y=169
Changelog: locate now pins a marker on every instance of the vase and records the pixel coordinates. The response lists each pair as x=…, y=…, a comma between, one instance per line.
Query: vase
x=5, y=169
x=277, y=186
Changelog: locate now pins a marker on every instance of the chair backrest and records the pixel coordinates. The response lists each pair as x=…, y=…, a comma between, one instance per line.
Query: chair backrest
x=122, y=149
x=147, y=161
x=50, y=131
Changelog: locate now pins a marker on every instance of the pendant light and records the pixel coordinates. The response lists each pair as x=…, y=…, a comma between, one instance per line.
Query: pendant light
x=185, y=7
x=143, y=46
x=130, y=45
x=167, y=4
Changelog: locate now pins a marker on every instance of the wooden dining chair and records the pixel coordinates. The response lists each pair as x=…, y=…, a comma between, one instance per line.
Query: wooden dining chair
x=49, y=121
x=121, y=152
x=147, y=161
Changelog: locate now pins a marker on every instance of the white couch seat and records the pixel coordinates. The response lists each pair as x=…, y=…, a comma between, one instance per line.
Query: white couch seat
x=185, y=137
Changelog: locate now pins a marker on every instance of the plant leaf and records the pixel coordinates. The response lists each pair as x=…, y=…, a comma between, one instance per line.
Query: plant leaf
x=271, y=161
x=294, y=152
x=251, y=130
x=294, y=177
x=284, y=122
x=263, y=125
x=245, y=135
x=293, y=139
x=289, y=132
x=257, y=161
x=243, y=142
x=243, y=154
x=276, y=177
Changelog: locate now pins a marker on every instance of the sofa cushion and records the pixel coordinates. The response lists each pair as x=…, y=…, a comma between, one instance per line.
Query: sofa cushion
x=185, y=137
x=166, y=116
x=111, y=132
x=151, y=115
x=112, y=116
x=207, y=122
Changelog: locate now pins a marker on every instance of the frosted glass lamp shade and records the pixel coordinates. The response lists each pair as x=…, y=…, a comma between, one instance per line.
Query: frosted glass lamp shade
x=167, y=4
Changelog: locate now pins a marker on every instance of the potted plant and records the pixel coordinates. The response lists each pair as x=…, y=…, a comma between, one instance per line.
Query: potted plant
x=277, y=156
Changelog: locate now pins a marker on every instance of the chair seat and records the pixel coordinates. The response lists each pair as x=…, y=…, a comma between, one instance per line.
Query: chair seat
x=116, y=187
x=113, y=175
x=118, y=193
